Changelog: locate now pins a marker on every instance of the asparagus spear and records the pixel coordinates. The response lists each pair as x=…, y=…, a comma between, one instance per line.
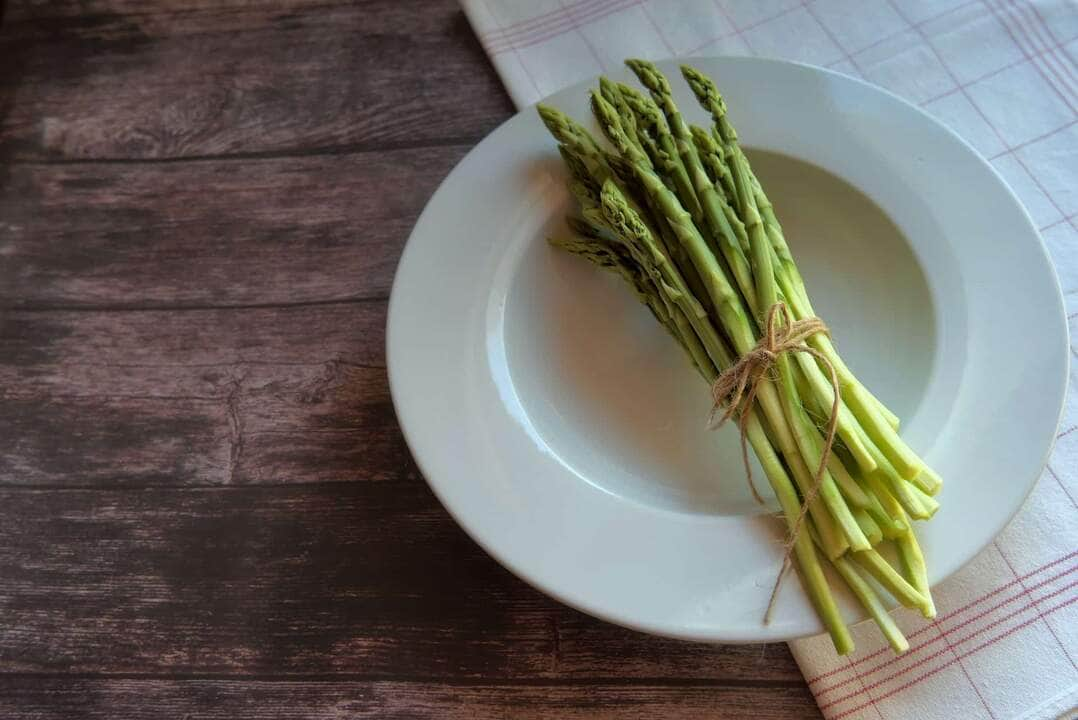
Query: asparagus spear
x=648, y=119
x=711, y=155
x=762, y=251
x=623, y=219
x=794, y=287
x=871, y=601
x=715, y=217
x=877, y=567
x=673, y=242
x=928, y=481
x=913, y=561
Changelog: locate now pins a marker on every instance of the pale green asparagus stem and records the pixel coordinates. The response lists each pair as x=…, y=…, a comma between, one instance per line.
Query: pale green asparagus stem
x=612, y=94
x=902, y=489
x=928, y=481
x=890, y=504
x=855, y=496
x=711, y=156
x=871, y=602
x=794, y=287
x=707, y=196
x=708, y=96
x=824, y=393
x=804, y=432
x=868, y=526
x=628, y=224
x=878, y=567
x=833, y=538
x=808, y=564
x=647, y=119
x=928, y=503
x=889, y=526
x=913, y=561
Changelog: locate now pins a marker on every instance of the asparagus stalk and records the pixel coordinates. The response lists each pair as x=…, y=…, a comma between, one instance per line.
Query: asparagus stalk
x=627, y=223
x=645, y=135
x=711, y=201
x=877, y=567
x=711, y=156
x=794, y=286
x=613, y=95
x=670, y=159
x=762, y=251
x=913, y=561
x=681, y=217
x=871, y=602
x=868, y=526
x=725, y=300
x=928, y=481
x=708, y=96
x=891, y=527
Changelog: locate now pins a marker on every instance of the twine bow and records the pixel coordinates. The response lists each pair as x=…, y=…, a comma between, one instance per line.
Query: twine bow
x=736, y=389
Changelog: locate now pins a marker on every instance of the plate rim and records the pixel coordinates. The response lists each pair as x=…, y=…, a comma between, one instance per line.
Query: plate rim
x=597, y=610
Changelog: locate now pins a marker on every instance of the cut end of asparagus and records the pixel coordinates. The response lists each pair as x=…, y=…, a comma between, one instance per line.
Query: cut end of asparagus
x=928, y=481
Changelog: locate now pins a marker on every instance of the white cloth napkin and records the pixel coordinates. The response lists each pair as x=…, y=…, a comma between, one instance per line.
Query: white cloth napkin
x=1004, y=75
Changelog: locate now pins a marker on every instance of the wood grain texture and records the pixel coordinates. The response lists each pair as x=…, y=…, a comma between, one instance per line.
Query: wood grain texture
x=366, y=578
x=166, y=80
x=211, y=700
x=207, y=508
x=200, y=397
x=220, y=233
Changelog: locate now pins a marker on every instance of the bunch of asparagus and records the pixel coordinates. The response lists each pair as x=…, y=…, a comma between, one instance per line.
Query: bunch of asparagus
x=676, y=210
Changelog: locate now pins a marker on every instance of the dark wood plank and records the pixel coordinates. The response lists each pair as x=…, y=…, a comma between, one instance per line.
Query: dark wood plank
x=207, y=700
x=167, y=80
x=259, y=395
x=218, y=233
x=371, y=579
x=206, y=506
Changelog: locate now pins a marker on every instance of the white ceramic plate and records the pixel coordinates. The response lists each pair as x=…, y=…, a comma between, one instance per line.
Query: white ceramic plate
x=565, y=431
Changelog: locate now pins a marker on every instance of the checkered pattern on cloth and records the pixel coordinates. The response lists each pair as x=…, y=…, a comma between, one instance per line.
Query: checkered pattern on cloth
x=1004, y=75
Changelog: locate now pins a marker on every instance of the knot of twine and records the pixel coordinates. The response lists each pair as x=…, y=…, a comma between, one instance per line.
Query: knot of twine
x=736, y=388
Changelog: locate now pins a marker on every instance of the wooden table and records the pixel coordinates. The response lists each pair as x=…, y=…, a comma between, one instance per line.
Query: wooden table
x=206, y=506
